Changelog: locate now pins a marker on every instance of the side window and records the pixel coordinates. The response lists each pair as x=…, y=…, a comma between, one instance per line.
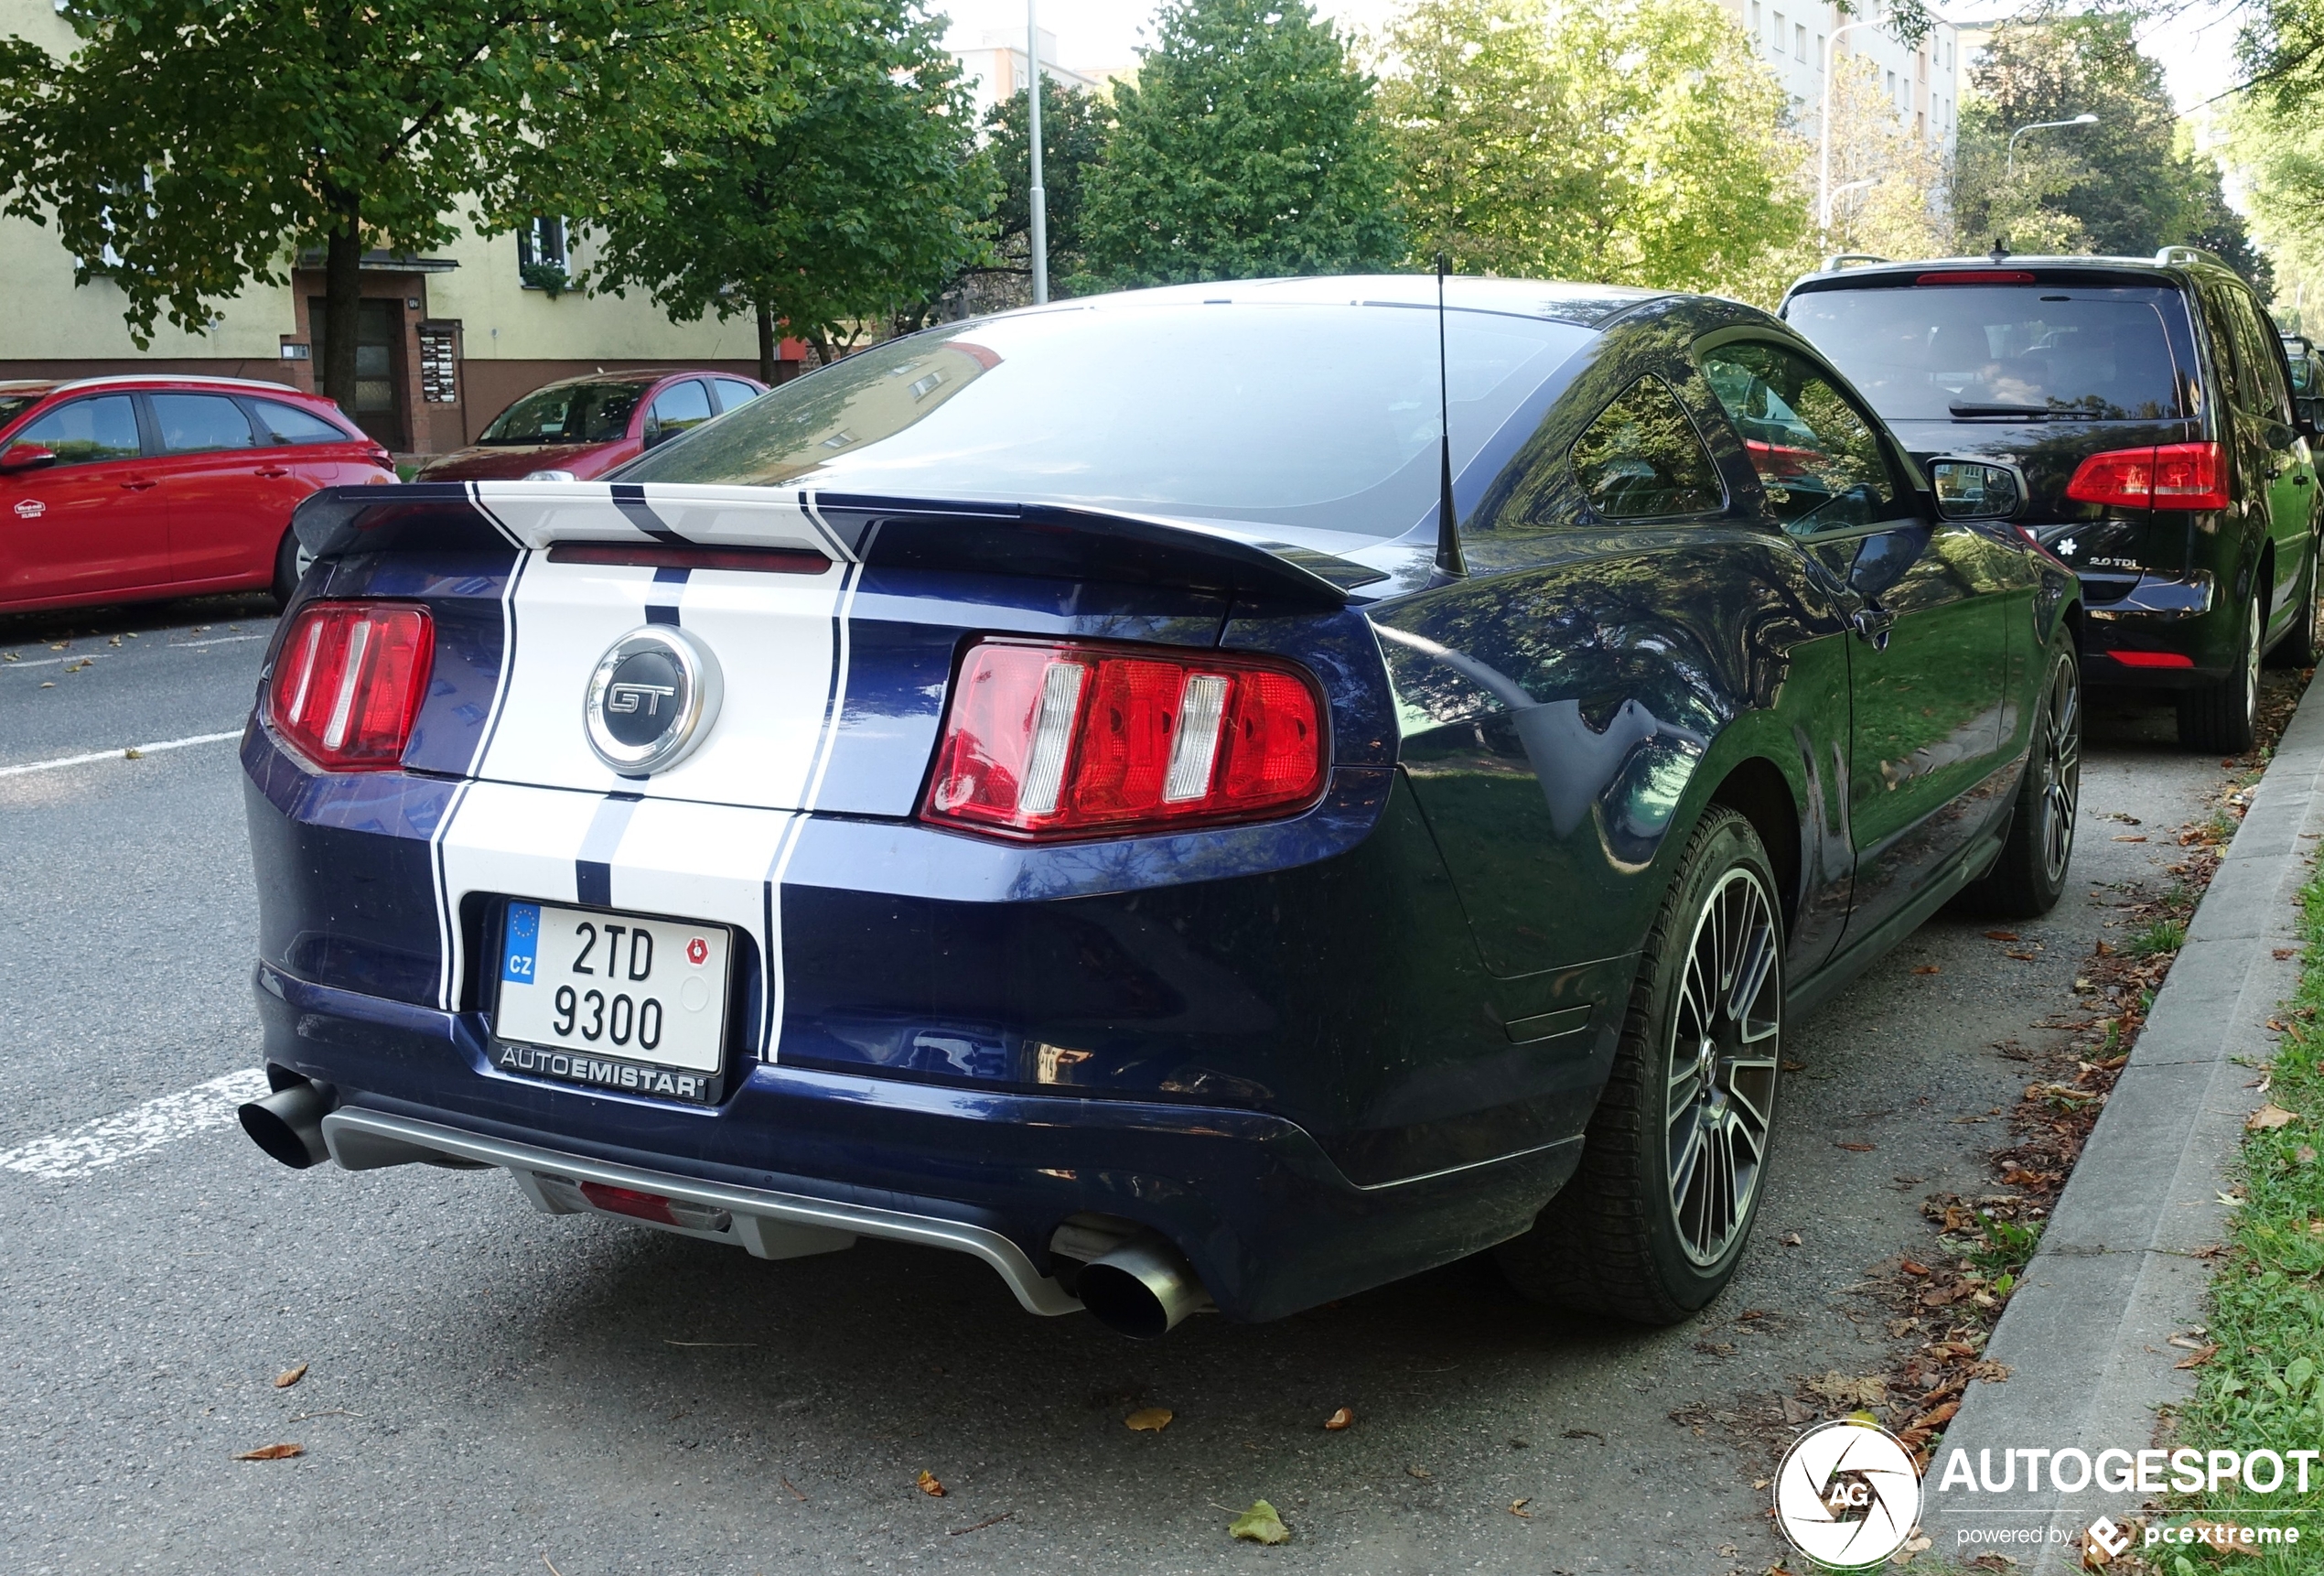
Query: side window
x=2255, y=345
x=680, y=406
x=287, y=424
x=733, y=392
x=196, y=423
x=86, y=431
x=1816, y=456
x=1642, y=460
x=2233, y=373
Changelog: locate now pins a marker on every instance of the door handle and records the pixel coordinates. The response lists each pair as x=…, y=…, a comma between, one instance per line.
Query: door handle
x=137, y=486
x=271, y=471
x=1872, y=623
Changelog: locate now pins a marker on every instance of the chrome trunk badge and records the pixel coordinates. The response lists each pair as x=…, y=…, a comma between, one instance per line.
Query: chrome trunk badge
x=652, y=698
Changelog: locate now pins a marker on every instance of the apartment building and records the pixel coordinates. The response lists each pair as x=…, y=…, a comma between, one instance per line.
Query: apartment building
x=1923, y=79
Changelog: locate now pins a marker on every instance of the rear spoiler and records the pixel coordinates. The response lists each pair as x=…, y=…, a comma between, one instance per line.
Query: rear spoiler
x=1047, y=541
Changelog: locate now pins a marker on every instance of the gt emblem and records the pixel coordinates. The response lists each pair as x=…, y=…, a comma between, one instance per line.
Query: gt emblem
x=628, y=697
x=31, y=508
x=652, y=700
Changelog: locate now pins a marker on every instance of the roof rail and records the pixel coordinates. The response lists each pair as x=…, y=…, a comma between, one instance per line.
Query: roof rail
x=1839, y=260
x=2169, y=255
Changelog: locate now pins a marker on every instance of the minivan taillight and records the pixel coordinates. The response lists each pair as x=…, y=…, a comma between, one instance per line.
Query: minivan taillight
x=1067, y=739
x=349, y=682
x=2164, y=476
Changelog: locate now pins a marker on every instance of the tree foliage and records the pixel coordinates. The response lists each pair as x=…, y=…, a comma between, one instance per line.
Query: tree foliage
x=2128, y=185
x=1905, y=211
x=1074, y=126
x=1634, y=142
x=1246, y=148
x=205, y=143
x=835, y=184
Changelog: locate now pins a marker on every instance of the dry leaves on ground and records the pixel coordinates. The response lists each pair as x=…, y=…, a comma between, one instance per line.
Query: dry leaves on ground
x=926, y=1483
x=1844, y=1393
x=1340, y=1419
x=1260, y=1524
x=1149, y=1419
x=1517, y=1507
x=289, y=1377
x=273, y=1452
x=2269, y=1118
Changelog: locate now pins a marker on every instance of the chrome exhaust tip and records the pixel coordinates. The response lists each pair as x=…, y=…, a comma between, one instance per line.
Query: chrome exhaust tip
x=1143, y=1289
x=288, y=1125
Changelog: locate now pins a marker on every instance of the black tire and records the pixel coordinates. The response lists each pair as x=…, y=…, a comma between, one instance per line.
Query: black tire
x=2222, y=717
x=1634, y=1234
x=2029, y=877
x=290, y=565
x=2303, y=644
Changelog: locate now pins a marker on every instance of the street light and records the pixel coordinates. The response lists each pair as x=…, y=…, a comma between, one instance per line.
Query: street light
x=2009, y=165
x=1037, y=201
x=1824, y=132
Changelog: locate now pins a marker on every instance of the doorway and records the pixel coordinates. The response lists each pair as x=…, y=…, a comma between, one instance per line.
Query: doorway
x=379, y=367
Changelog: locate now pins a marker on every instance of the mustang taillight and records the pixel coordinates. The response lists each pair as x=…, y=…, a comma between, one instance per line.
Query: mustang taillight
x=349, y=682
x=2163, y=476
x=1065, y=739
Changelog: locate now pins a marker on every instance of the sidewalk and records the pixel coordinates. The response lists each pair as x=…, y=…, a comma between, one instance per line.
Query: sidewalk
x=2086, y=1337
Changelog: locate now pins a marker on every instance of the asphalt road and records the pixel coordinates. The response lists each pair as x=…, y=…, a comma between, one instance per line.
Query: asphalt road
x=489, y=1390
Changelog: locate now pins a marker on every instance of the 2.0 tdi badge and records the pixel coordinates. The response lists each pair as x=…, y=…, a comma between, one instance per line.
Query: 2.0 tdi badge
x=651, y=699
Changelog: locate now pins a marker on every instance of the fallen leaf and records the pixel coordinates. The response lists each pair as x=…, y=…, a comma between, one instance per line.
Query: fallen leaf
x=2021, y=957
x=1991, y=1373
x=2198, y=1357
x=1795, y=1066
x=133, y=754
x=285, y=1380
x=273, y=1452
x=1909, y=1267
x=927, y=1485
x=1840, y=1390
x=1421, y=1472
x=2269, y=1118
x=2132, y=837
x=2284, y=952
x=1859, y=1148
x=1260, y=1524
x=1791, y=1240
x=1149, y=1419
x=1928, y=969
x=1517, y=1507
x=1340, y=1419
x=2003, y=935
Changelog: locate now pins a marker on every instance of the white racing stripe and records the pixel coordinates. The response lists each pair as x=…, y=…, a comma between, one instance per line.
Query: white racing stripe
x=128, y=752
x=109, y=1141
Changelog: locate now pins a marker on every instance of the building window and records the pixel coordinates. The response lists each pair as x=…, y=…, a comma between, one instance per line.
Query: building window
x=540, y=259
x=1799, y=43
x=1778, y=35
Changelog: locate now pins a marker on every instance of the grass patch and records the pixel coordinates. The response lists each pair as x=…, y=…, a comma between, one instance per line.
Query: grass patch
x=2265, y=1389
x=2163, y=935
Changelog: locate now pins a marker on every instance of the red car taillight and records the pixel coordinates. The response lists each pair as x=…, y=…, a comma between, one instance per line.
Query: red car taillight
x=350, y=680
x=2167, y=476
x=1062, y=740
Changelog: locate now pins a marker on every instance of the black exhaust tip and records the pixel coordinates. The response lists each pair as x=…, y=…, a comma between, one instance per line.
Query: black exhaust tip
x=1143, y=1289
x=288, y=1125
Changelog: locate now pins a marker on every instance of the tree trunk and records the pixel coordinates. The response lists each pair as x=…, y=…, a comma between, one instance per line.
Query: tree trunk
x=766, y=344
x=342, y=298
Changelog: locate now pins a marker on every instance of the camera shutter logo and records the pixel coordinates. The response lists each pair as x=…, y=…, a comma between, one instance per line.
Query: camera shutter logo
x=652, y=700
x=1847, y=1494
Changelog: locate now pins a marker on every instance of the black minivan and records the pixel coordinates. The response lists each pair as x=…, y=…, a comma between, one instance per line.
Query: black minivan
x=2148, y=405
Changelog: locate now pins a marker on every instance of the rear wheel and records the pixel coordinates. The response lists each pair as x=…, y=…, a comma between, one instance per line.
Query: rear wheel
x=2303, y=644
x=290, y=567
x=2222, y=717
x=1654, y=1222
x=2031, y=875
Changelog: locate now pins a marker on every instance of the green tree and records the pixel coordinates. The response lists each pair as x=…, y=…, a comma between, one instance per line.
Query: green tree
x=2128, y=185
x=1074, y=126
x=205, y=143
x=1904, y=211
x=836, y=189
x=1637, y=143
x=1246, y=148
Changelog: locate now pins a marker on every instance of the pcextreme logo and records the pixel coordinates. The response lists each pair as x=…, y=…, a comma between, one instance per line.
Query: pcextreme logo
x=1847, y=1494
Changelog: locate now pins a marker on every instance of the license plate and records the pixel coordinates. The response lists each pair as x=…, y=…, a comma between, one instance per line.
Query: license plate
x=615, y=1001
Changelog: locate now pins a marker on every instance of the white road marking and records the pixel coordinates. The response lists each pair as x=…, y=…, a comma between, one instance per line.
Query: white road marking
x=128, y=753
x=109, y=1141
x=214, y=640
x=51, y=661
x=11, y=662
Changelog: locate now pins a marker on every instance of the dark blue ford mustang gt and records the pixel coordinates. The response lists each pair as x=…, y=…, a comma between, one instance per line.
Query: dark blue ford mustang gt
x=1057, y=787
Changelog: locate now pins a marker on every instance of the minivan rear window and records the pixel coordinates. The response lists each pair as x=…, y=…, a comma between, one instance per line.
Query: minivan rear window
x=1941, y=352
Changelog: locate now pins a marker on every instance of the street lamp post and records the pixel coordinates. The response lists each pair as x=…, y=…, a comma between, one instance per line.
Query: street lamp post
x=1035, y=198
x=2009, y=165
x=1824, y=132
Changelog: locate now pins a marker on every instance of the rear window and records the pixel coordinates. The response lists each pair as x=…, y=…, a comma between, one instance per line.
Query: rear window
x=288, y=424
x=1940, y=352
x=568, y=413
x=1323, y=416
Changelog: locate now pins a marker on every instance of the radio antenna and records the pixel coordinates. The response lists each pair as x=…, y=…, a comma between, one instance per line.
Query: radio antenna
x=1449, y=563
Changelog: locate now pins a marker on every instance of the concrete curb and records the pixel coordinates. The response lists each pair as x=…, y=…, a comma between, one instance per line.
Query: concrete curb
x=2085, y=1337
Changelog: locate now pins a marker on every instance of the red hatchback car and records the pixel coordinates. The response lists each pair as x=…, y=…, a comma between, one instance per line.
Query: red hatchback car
x=121, y=489
x=583, y=428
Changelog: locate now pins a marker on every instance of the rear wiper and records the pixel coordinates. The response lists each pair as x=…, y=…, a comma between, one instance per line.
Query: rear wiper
x=1959, y=408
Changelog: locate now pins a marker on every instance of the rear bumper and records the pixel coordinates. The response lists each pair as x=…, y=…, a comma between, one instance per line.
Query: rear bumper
x=2160, y=631
x=1270, y=1224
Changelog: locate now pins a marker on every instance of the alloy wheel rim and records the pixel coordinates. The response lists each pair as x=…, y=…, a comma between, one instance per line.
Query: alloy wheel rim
x=1725, y=1038
x=2251, y=660
x=2061, y=771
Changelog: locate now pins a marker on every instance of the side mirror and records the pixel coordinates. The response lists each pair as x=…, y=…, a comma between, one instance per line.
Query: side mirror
x=1976, y=488
x=2310, y=408
x=26, y=456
